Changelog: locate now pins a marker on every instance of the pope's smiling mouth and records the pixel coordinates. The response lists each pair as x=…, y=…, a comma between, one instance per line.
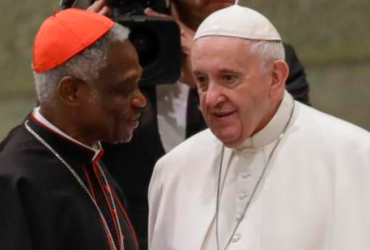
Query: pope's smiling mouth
x=223, y=114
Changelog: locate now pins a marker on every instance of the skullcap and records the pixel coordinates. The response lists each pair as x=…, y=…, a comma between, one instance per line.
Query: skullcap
x=238, y=21
x=64, y=34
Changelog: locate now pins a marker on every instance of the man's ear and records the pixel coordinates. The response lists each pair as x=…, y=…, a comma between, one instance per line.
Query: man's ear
x=71, y=90
x=279, y=75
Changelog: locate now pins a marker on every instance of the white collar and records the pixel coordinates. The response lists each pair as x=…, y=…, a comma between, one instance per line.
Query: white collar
x=274, y=128
x=41, y=119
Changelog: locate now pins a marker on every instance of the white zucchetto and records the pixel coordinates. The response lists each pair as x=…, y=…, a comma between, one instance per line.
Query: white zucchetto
x=238, y=21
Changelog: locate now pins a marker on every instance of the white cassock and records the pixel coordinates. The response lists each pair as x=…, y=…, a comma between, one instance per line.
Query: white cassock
x=315, y=194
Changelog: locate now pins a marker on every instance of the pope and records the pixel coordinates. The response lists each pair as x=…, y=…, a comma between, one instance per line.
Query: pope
x=270, y=173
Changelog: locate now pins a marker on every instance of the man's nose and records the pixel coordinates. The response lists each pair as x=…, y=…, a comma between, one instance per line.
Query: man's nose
x=139, y=99
x=214, y=95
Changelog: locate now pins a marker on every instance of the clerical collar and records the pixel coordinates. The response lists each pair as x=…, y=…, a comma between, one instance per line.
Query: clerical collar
x=41, y=119
x=274, y=128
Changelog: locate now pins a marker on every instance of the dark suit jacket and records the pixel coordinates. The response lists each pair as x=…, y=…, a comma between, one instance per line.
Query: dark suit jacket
x=132, y=163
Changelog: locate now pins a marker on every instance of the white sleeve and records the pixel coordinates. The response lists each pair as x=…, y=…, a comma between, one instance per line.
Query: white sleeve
x=154, y=198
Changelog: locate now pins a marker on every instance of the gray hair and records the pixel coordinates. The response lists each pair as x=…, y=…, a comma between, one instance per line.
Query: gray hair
x=268, y=51
x=85, y=66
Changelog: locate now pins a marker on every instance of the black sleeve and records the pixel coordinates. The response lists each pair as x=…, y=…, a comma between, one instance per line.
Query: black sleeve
x=11, y=132
x=9, y=136
x=15, y=233
x=296, y=83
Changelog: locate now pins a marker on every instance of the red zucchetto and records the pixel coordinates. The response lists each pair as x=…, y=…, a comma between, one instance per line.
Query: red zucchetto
x=64, y=34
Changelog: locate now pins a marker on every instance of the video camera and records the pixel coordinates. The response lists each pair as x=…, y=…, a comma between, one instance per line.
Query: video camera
x=156, y=39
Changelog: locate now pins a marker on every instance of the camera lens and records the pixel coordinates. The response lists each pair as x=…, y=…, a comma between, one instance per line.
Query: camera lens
x=146, y=44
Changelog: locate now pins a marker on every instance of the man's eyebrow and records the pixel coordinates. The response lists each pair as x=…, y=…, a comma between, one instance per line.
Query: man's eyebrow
x=197, y=72
x=129, y=77
x=225, y=70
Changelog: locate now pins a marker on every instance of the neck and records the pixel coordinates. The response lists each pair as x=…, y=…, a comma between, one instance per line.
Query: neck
x=66, y=125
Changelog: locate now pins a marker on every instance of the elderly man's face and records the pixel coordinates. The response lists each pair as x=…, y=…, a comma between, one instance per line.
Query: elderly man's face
x=116, y=101
x=233, y=88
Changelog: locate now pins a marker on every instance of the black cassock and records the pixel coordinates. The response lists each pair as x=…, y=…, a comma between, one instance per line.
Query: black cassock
x=44, y=207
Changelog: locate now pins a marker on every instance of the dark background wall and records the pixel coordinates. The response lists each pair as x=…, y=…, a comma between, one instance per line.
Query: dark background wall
x=330, y=37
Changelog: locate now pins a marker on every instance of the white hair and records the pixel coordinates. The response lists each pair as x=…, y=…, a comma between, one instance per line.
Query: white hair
x=268, y=51
x=85, y=66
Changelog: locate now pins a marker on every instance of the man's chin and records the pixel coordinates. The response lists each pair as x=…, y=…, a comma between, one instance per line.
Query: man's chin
x=230, y=140
x=120, y=140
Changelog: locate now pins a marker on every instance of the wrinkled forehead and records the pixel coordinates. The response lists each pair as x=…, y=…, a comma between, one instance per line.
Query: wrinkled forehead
x=219, y=50
x=215, y=54
x=220, y=43
x=122, y=61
